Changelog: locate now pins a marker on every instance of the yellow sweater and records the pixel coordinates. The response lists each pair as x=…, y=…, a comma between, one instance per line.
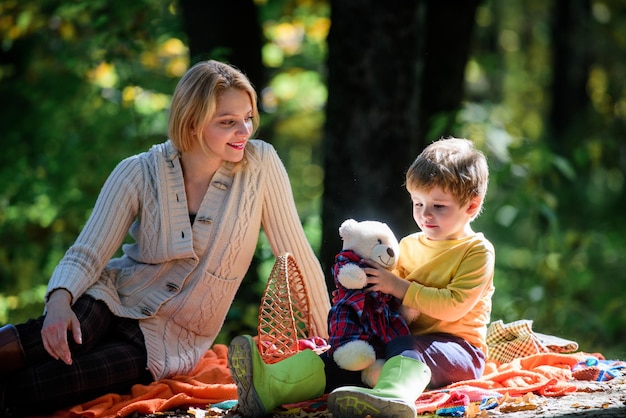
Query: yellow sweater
x=451, y=285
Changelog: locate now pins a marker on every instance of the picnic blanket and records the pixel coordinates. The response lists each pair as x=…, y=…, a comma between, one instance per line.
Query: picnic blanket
x=546, y=374
x=210, y=382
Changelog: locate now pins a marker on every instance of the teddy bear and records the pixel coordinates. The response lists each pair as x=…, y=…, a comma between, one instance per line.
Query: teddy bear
x=361, y=322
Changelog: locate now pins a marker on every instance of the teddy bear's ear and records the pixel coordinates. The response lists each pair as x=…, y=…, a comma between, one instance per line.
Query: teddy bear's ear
x=346, y=226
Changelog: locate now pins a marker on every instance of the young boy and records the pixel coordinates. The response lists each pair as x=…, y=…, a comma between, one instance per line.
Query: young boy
x=444, y=277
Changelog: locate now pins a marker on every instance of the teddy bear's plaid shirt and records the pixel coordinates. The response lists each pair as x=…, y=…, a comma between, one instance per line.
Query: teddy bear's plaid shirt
x=360, y=315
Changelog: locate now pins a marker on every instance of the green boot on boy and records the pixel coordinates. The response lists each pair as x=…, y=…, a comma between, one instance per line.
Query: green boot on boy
x=262, y=387
x=402, y=380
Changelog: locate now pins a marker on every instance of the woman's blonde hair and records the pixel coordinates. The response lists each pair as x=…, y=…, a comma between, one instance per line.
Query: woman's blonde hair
x=195, y=100
x=454, y=165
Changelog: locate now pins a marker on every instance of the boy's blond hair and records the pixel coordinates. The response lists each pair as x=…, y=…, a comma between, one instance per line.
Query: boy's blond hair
x=454, y=165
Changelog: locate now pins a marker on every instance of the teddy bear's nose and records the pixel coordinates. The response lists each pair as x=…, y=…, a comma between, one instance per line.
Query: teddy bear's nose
x=390, y=252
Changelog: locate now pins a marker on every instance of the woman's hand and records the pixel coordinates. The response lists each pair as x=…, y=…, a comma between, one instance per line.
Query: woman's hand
x=382, y=280
x=59, y=319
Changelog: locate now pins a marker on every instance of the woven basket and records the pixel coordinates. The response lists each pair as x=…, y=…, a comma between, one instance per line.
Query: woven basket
x=284, y=315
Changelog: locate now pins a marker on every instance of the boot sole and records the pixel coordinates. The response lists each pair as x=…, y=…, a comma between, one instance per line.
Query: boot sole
x=240, y=364
x=360, y=405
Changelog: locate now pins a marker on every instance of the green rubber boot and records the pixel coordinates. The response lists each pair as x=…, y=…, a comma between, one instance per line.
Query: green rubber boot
x=402, y=380
x=262, y=387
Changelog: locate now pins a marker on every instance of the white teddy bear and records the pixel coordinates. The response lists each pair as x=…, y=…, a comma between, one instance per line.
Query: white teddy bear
x=362, y=322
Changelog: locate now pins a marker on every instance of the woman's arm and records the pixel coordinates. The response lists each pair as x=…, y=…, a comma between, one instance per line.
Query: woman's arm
x=283, y=228
x=115, y=209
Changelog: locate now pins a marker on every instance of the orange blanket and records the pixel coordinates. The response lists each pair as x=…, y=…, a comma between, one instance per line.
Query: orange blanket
x=547, y=374
x=210, y=382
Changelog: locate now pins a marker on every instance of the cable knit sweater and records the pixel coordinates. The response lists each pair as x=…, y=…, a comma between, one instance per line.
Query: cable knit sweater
x=179, y=279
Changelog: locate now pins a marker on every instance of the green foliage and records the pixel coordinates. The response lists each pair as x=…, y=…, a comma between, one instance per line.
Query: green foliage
x=553, y=266
x=555, y=221
x=85, y=84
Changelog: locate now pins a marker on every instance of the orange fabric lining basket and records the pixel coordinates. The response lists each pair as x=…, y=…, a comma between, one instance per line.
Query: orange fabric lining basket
x=284, y=316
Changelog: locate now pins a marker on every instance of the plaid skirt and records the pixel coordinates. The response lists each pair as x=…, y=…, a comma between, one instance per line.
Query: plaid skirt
x=111, y=359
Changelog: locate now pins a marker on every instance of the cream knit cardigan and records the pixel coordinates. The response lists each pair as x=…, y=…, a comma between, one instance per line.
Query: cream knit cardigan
x=179, y=280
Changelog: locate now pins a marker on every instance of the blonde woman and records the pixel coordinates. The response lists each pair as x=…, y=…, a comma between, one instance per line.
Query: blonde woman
x=194, y=206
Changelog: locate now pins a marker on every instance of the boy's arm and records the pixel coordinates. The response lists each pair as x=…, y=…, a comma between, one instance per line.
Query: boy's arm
x=452, y=302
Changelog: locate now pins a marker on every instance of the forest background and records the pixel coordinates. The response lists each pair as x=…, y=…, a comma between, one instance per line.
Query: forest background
x=540, y=86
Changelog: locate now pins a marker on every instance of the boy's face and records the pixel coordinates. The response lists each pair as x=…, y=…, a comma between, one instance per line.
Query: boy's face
x=439, y=215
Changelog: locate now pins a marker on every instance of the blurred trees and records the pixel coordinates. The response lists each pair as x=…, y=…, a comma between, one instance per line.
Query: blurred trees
x=84, y=84
x=81, y=85
x=548, y=107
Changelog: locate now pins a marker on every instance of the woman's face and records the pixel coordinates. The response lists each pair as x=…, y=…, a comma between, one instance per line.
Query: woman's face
x=226, y=134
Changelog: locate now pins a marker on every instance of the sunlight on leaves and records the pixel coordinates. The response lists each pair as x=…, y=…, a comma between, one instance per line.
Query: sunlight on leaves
x=287, y=36
x=103, y=75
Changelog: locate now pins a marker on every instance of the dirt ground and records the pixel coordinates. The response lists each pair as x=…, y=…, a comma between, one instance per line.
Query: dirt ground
x=607, y=399
x=591, y=400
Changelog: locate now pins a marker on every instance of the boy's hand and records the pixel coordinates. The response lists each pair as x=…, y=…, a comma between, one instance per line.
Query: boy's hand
x=59, y=319
x=382, y=280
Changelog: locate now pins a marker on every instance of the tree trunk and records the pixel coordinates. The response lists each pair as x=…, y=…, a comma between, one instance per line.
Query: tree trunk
x=447, y=31
x=392, y=66
x=571, y=63
x=227, y=31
